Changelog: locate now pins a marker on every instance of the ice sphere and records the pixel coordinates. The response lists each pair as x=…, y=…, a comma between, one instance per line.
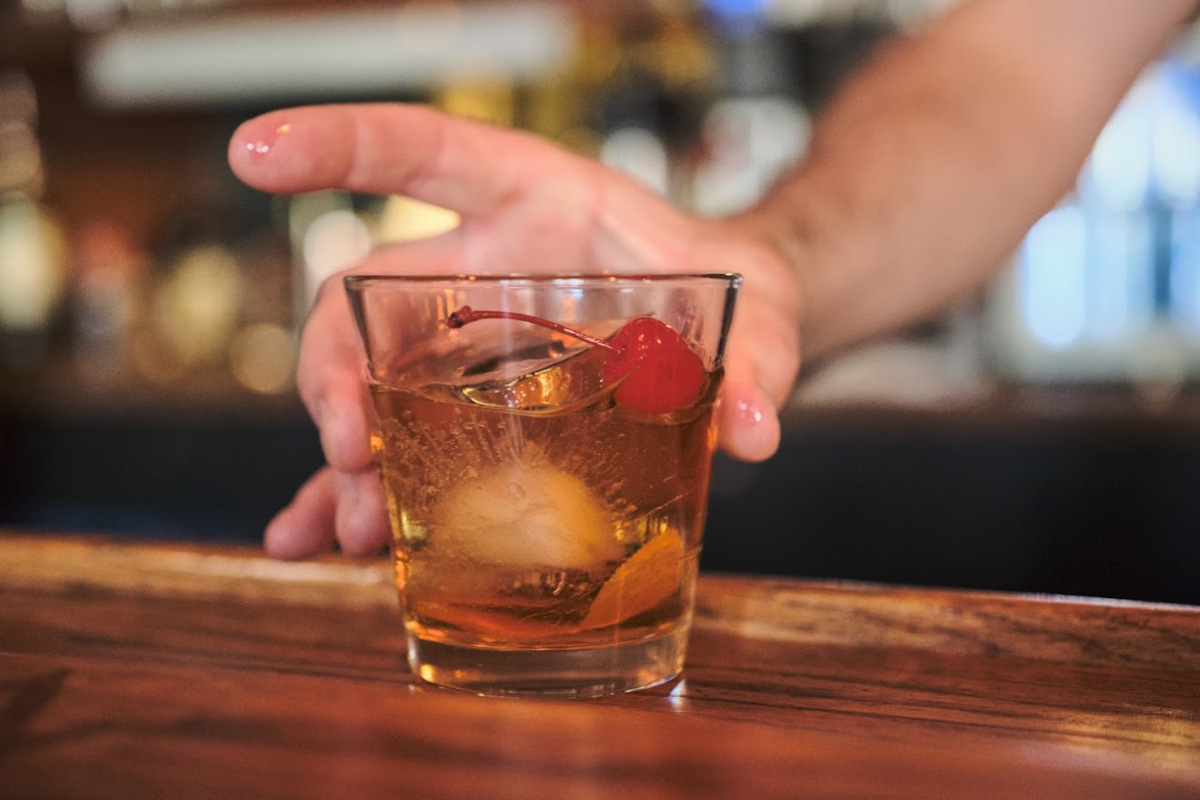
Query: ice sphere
x=561, y=383
x=521, y=515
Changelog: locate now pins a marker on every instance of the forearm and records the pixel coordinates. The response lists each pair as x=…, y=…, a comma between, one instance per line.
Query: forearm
x=933, y=162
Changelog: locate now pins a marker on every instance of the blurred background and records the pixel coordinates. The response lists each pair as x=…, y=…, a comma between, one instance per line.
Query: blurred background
x=1044, y=437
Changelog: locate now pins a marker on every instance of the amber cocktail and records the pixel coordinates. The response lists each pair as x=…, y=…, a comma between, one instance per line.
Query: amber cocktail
x=545, y=446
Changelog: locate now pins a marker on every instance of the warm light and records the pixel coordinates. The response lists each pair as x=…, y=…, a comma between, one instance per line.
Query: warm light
x=404, y=219
x=263, y=357
x=197, y=309
x=336, y=240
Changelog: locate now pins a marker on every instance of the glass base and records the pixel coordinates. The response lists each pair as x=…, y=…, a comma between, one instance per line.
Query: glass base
x=582, y=672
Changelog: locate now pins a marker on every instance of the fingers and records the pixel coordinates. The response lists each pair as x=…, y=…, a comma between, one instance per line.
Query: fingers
x=760, y=370
x=747, y=419
x=528, y=204
x=763, y=355
x=305, y=526
x=330, y=504
x=330, y=376
x=467, y=166
x=329, y=379
x=361, y=521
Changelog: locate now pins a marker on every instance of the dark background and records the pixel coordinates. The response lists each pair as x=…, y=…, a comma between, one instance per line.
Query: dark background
x=1095, y=504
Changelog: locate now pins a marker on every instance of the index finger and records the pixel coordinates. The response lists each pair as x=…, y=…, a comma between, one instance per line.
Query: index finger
x=467, y=166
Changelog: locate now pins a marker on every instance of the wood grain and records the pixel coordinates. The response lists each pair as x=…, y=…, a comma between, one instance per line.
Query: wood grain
x=168, y=671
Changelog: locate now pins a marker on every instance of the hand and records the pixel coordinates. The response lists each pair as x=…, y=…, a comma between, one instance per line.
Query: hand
x=525, y=206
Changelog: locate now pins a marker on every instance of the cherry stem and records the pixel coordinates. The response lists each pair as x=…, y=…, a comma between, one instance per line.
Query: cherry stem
x=467, y=315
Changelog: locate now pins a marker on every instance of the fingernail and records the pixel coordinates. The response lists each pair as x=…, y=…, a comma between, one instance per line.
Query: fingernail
x=748, y=413
x=263, y=145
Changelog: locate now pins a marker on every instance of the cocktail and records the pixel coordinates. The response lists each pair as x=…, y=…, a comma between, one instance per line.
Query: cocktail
x=545, y=445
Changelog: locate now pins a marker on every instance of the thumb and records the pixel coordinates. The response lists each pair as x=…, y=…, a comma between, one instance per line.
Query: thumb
x=747, y=421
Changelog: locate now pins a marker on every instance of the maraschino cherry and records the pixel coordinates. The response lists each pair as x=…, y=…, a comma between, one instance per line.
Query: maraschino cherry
x=658, y=372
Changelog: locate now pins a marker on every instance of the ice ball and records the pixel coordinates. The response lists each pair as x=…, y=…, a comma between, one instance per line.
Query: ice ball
x=521, y=515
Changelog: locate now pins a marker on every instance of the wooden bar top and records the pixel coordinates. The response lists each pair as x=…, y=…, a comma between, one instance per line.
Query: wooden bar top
x=179, y=671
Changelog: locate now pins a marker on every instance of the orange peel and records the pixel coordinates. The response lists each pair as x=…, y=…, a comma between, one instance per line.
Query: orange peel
x=651, y=575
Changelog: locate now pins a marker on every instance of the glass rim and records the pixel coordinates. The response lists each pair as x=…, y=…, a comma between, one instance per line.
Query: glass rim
x=357, y=281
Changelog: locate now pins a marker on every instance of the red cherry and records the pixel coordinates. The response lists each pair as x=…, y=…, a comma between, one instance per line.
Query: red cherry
x=657, y=371
x=660, y=372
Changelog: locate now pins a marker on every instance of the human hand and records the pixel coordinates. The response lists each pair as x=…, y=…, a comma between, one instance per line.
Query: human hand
x=525, y=206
